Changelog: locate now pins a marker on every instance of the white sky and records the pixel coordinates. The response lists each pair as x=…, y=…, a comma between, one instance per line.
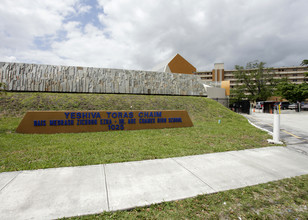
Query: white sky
x=139, y=34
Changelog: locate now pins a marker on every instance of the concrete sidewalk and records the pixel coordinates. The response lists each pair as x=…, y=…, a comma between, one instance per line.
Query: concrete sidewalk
x=71, y=191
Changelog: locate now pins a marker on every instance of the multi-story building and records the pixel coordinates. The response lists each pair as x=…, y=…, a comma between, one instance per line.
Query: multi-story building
x=294, y=74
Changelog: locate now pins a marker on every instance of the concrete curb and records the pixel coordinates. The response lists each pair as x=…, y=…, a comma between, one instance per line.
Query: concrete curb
x=263, y=129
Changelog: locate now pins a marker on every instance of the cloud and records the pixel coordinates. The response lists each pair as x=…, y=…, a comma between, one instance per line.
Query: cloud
x=22, y=20
x=139, y=34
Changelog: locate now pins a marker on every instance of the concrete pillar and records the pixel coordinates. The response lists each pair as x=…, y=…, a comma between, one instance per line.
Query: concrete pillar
x=276, y=130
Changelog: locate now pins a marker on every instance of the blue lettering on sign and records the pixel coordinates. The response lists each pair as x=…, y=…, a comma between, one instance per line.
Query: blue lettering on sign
x=147, y=121
x=82, y=115
x=120, y=114
x=161, y=120
x=39, y=123
x=86, y=122
x=149, y=114
x=96, y=115
x=173, y=120
x=105, y=121
x=61, y=122
x=116, y=127
x=131, y=121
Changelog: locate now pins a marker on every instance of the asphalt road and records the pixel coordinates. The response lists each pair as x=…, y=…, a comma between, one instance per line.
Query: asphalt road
x=293, y=127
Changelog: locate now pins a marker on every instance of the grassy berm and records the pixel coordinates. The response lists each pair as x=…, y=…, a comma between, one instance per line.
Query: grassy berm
x=23, y=151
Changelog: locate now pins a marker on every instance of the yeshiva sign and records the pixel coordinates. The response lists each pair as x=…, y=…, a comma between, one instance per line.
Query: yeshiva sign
x=50, y=122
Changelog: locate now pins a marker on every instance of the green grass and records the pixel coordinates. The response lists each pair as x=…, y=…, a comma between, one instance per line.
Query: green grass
x=24, y=151
x=284, y=199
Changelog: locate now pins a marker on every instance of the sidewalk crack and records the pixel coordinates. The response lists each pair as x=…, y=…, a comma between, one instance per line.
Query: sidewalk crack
x=193, y=174
x=10, y=181
x=106, y=187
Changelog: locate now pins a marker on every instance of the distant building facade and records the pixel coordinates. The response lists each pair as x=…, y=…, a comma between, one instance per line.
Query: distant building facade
x=178, y=64
x=294, y=75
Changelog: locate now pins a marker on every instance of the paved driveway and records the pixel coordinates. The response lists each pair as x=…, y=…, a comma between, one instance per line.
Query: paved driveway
x=293, y=127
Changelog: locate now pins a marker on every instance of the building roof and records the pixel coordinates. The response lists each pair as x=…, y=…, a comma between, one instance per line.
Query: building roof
x=163, y=66
x=175, y=64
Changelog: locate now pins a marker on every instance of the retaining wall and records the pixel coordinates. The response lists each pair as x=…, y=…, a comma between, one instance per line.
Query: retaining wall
x=49, y=78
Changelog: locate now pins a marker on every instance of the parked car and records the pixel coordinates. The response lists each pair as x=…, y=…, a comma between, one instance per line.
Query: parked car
x=293, y=106
x=283, y=105
x=304, y=106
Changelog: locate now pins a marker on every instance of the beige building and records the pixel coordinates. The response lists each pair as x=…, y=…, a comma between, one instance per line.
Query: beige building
x=178, y=64
x=219, y=74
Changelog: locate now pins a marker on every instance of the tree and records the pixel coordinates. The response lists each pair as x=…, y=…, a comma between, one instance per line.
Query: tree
x=254, y=82
x=304, y=63
x=293, y=92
